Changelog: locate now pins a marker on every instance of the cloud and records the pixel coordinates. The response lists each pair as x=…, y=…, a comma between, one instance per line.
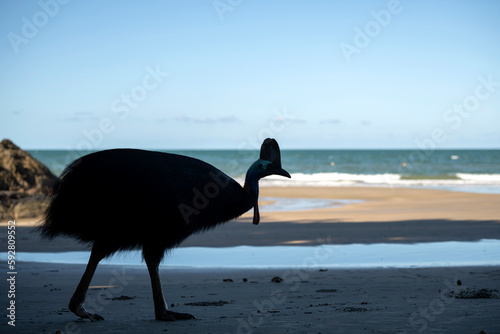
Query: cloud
x=207, y=120
x=366, y=123
x=289, y=120
x=81, y=116
x=330, y=121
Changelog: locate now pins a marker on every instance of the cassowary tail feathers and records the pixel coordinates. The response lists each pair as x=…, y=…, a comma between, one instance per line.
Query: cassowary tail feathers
x=50, y=226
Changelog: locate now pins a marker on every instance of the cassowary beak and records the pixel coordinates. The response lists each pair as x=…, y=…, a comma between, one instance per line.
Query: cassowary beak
x=281, y=171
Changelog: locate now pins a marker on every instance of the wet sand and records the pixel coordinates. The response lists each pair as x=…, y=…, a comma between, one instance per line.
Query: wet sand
x=385, y=215
x=334, y=301
x=389, y=300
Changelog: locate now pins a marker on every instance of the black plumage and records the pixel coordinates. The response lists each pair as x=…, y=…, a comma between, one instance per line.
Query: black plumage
x=126, y=199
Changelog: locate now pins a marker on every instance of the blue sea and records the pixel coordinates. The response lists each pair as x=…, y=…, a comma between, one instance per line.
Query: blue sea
x=457, y=170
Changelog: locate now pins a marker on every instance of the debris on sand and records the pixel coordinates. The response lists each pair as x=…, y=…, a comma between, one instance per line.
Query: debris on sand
x=208, y=303
x=326, y=290
x=122, y=297
x=276, y=279
x=474, y=294
x=351, y=309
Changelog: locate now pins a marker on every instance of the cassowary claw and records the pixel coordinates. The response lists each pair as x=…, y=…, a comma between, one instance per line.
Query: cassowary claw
x=82, y=313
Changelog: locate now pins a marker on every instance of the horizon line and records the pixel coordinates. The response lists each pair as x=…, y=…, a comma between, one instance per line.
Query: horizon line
x=255, y=149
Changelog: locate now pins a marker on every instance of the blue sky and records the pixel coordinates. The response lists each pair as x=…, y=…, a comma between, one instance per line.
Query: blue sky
x=226, y=74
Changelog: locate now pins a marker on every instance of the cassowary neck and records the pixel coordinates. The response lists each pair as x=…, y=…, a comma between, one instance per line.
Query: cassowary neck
x=251, y=184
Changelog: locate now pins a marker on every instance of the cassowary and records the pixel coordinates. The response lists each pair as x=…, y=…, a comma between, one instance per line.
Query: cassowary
x=126, y=199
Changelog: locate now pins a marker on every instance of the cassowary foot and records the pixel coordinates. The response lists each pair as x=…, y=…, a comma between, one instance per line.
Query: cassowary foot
x=172, y=316
x=82, y=313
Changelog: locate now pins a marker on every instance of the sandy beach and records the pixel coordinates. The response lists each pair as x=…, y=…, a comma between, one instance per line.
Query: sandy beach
x=379, y=300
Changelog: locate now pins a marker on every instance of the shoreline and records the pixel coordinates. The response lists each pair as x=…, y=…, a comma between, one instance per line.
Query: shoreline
x=385, y=215
x=382, y=203
x=325, y=256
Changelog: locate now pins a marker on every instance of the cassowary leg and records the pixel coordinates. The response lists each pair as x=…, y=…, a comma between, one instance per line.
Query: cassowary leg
x=76, y=302
x=161, y=311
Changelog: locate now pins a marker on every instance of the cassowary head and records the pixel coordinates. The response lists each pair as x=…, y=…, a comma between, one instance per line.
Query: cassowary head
x=269, y=162
x=262, y=168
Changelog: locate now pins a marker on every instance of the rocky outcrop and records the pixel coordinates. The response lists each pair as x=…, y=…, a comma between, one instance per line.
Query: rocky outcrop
x=24, y=183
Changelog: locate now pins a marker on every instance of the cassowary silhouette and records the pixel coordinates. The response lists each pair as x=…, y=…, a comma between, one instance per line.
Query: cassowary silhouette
x=126, y=199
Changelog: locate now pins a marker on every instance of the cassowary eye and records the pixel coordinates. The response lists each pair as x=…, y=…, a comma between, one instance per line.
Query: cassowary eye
x=261, y=166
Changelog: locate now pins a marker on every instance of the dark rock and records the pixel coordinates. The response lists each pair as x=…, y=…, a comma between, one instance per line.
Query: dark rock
x=19, y=171
x=24, y=183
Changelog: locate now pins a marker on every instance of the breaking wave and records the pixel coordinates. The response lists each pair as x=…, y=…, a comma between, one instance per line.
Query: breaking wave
x=344, y=179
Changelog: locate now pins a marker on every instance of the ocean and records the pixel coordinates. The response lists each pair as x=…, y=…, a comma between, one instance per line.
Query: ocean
x=457, y=170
